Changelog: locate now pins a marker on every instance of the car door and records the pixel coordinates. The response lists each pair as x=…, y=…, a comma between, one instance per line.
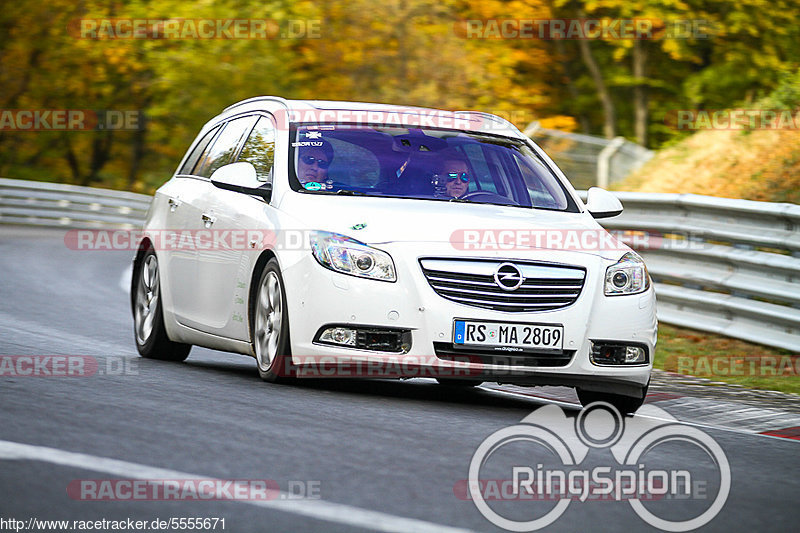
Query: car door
x=216, y=256
x=227, y=271
x=176, y=252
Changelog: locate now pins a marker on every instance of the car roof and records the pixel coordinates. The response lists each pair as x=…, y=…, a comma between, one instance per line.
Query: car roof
x=374, y=113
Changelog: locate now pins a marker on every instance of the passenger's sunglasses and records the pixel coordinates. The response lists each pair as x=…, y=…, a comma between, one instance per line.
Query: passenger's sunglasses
x=321, y=163
x=453, y=176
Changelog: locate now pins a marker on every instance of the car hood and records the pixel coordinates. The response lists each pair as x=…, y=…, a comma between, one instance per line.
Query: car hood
x=472, y=227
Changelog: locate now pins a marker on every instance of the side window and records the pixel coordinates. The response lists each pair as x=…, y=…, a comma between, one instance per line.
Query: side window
x=225, y=146
x=483, y=175
x=259, y=150
x=541, y=184
x=198, y=150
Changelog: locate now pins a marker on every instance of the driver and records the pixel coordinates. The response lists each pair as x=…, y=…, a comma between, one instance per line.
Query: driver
x=456, y=177
x=313, y=163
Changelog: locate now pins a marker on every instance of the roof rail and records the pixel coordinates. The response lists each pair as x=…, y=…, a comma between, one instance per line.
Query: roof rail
x=494, y=118
x=259, y=98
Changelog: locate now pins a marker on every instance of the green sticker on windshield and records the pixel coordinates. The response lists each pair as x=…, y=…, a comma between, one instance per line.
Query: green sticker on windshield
x=312, y=186
x=358, y=226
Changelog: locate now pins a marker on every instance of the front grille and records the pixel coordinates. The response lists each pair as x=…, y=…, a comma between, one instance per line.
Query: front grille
x=546, y=286
x=487, y=356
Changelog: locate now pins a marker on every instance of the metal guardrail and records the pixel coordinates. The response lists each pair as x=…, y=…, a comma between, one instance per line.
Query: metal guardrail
x=34, y=203
x=589, y=160
x=727, y=266
x=722, y=265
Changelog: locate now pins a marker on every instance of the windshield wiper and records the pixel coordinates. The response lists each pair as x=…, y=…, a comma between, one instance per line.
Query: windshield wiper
x=460, y=200
x=347, y=192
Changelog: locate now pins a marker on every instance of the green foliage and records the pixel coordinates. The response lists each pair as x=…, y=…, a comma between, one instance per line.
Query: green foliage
x=786, y=95
x=410, y=53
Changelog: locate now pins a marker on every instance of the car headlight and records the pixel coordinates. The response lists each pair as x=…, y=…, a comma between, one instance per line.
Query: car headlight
x=349, y=256
x=627, y=276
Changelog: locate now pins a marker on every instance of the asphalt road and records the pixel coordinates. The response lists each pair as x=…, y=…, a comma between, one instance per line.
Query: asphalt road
x=380, y=455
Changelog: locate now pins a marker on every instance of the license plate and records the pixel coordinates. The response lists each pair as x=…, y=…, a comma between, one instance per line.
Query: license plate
x=499, y=334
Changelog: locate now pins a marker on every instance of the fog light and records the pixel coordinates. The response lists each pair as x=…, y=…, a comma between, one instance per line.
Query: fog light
x=344, y=336
x=371, y=338
x=613, y=353
x=634, y=354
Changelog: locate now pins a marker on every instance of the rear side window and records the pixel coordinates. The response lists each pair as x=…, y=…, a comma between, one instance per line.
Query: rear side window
x=198, y=151
x=259, y=150
x=225, y=146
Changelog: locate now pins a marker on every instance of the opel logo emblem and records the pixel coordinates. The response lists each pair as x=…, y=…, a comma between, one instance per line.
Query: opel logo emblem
x=508, y=277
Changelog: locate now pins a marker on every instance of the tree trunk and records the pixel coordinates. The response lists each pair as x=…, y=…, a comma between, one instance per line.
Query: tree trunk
x=566, y=64
x=609, y=111
x=11, y=101
x=72, y=160
x=101, y=151
x=641, y=114
x=137, y=151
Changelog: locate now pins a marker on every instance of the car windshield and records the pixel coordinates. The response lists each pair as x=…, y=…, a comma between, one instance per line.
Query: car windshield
x=431, y=164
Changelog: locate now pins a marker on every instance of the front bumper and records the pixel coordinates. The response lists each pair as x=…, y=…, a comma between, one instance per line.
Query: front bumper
x=318, y=297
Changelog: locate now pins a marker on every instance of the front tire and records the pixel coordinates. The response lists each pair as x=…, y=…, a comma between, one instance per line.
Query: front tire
x=148, y=316
x=270, y=326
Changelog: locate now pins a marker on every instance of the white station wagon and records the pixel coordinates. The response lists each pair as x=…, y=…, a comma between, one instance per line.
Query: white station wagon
x=342, y=239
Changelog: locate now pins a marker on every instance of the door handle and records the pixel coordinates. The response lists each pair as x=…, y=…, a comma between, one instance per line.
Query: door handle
x=208, y=220
x=174, y=204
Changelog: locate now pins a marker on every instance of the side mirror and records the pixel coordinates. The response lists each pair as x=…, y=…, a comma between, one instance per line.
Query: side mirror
x=602, y=204
x=241, y=177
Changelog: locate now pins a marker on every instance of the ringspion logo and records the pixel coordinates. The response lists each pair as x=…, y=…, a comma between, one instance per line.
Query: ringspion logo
x=651, y=471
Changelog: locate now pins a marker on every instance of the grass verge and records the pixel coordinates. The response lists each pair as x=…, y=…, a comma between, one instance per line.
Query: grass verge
x=728, y=360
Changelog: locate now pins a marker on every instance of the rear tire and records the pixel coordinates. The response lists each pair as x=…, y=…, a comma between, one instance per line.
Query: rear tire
x=148, y=317
x=626, y=405
x=270, y=326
